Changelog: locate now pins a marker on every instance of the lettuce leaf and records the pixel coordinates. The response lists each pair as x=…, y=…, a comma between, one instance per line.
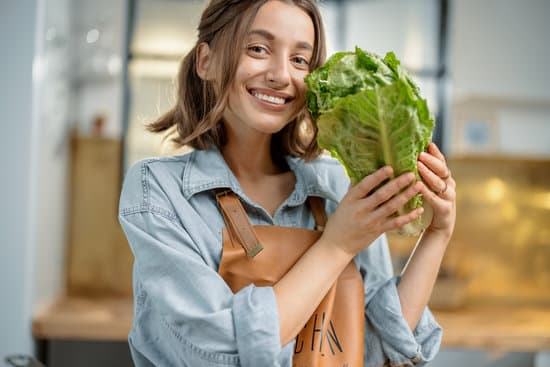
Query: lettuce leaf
x=370, y=114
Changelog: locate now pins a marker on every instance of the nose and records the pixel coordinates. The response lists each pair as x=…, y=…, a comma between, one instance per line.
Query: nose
x=278, y=75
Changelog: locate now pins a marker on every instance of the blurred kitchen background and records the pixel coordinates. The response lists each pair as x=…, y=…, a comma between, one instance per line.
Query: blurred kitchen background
x=79, y=78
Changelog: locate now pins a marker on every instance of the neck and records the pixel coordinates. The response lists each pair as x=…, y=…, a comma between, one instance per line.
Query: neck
x=261, y=179
x=250, y=160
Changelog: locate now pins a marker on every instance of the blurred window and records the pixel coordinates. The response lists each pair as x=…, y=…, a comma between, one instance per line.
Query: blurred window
x=163, y=32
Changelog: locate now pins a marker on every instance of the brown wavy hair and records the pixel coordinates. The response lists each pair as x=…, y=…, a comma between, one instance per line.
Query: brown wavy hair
x=198, y=111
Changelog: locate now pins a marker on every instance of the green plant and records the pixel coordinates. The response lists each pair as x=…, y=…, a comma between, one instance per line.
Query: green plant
x=370, y=114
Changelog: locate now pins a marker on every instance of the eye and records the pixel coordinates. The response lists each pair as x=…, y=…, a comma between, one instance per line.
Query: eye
x=301, y=61
x=257, y=50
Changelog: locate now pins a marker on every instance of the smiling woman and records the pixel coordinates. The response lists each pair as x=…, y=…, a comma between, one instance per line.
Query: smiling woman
x=197, y=118
x=271, y=71
x=252, y=250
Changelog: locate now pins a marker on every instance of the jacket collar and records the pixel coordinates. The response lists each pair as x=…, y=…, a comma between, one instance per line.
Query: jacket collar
x=207, y=170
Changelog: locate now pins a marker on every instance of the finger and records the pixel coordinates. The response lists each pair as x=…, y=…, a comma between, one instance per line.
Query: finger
x=435, y=164
x=367, y=184
x=397, y=202
x=431, y=198
x=399, y=221
x=389, y=190
x=435, y=200
x=434, y=150
x=435, y=183
x=451, y=182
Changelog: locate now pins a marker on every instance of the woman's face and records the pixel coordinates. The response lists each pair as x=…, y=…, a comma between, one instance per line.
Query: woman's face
x=268, y=89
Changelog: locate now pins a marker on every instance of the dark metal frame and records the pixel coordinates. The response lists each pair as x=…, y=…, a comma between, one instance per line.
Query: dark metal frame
x=130, y=27
x=442, y=98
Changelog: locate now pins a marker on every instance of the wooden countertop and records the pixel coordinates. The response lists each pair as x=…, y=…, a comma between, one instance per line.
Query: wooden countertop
x=106, y=319
x=512, y=328
x=525, y=328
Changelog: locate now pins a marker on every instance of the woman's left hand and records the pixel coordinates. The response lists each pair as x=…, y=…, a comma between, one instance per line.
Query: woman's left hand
x=438, y=189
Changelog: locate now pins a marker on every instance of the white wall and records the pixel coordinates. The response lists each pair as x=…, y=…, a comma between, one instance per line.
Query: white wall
x=499, y=57
x=16, y=95
x=35, y=99
x=406, y=27
x=500, y=48
x=51, y=128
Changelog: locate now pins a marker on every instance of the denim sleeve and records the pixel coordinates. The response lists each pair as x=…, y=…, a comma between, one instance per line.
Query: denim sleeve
x=185, y=314
x=389, y=341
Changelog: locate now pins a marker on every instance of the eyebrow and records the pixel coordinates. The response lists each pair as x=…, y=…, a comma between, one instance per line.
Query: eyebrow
x=270, y=37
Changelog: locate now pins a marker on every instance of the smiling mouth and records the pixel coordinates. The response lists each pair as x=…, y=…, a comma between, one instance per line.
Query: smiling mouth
x=269, y=99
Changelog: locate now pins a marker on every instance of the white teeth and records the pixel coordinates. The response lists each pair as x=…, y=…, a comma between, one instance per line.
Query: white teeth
x=267, y=98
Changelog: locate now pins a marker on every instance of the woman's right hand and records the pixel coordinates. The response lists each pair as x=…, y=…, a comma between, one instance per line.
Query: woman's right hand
x=363, y=215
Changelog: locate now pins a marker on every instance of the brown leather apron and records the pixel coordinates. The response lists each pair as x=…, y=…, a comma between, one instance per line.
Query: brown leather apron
x=333, y=335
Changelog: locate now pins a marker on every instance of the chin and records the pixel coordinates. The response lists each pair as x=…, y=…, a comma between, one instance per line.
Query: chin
x=272, y=126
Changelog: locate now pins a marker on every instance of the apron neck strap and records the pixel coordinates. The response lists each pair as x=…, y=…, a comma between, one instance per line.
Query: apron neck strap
x=238, y=225
x=242, y=231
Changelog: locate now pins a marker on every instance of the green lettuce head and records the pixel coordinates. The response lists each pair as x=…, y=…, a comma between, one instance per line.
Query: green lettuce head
x=370, y=114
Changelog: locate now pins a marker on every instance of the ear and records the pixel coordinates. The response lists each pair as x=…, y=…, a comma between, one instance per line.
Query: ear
x=203, y=60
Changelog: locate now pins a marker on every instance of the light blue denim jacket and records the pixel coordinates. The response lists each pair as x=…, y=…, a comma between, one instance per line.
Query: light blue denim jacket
x=185, y=314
